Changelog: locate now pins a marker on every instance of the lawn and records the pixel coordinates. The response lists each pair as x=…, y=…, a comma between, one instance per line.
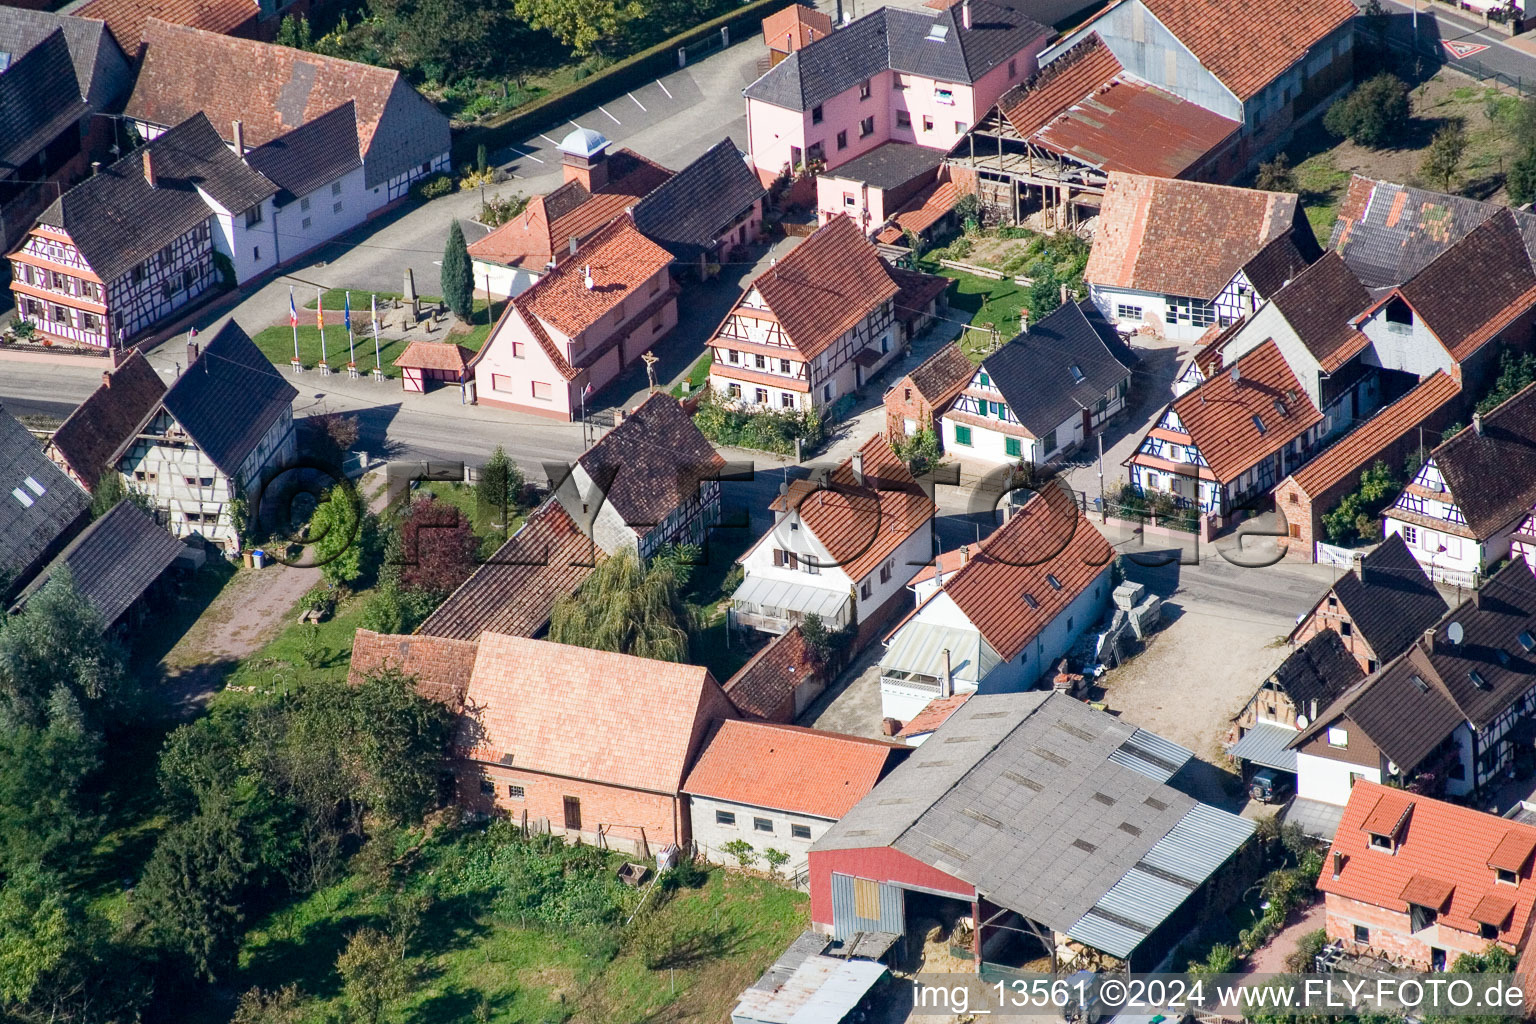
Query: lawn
x=276, y=343
x=300, y=652
x=698, y=375
x=982, y=301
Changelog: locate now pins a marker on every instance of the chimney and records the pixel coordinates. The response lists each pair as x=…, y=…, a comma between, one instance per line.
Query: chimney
x=106, y=379
x=858, y=468
x=1338, y=864
x=573, y=245
x=965, y=13
x=965, y=553
x=1063, y=295
x=947, y=684
x=1429, y=640
x=95, y=168
x=1477, y=423
x=192, y=353
x=239, y=138
x=149, y=169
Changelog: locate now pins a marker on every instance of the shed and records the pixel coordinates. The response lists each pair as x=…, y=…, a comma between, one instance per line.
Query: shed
x=423, y=362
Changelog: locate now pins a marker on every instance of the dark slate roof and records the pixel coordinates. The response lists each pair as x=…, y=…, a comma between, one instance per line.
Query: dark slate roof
x=890, y=165
x=114, y=560
x=39, y=505
x=1319, y=305
x=100, y=67
x=1416, y=700
x=1282, y=259
x=688, y=212
x=104, y=422
x=1490, y=467
x=1390, y=600
x=40, y=98
x=314, y=154
x=934, y=46
x=229, y=398
x=1319, y=670
x=1034, y=370
x=117, y=221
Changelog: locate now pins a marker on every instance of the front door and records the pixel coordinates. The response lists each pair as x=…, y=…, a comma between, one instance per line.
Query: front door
x=1436, y=959
x=572, y=814
x=1087, y=424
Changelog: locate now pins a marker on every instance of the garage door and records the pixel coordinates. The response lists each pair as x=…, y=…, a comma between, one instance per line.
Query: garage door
x=862, y=905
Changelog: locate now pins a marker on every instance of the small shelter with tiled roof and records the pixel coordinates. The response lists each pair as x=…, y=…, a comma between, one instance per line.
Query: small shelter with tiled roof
x=780, y=681
x=793, y=27
x=423, y=362
x=841, y=548
x=1234, y=435
x=263, y=91
x=1015, y=605
x=779, y=787
x=587, y=744
x=927, y=721
x=1177, y=257
x=915, y=402
x=1422, y=881
x=84, y=443
x=580, y=325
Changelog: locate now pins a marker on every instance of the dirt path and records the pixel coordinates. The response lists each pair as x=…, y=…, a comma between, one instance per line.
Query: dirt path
x=248, y=612
x=1270, y=959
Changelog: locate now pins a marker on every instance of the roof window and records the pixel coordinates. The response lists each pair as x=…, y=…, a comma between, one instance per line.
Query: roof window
x=1258, y=424
x=1478, y=680
x=1029, y=599
x=1053, y=581
x=33, y=486
x=938, y=33
x=1527, y=642
x=22, y=496
x=1077, y=373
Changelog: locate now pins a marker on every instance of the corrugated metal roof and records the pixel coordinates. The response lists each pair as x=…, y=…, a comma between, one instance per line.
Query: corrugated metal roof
x=1154, y=888
x=1151, y=755
x=819, y=989
x=1267, y=744
x=919, y=647
x=800, y=598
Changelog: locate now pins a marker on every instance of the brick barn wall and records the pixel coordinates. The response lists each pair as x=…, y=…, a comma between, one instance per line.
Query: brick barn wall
x=1324, y=618
x=1303, y=520
x=1390, y=932
x=626, y=813
x=880, y=864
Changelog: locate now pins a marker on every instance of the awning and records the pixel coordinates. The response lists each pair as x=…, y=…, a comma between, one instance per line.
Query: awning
x=1265, y=745
x=780, y=596
x=918, y=648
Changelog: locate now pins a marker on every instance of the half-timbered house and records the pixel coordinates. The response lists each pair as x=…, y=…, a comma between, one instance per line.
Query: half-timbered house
x=813, y=327
x=1178, y=257
x=1045, y=392
x=1231, y=437
x=126, y=248
x=219, y=434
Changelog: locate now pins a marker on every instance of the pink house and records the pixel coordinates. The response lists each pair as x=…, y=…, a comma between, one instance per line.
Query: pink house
x=894, y=75
x=580, y=325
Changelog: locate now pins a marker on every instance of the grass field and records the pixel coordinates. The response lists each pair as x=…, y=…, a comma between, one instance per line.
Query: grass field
x=983, y=301
x=698, y=374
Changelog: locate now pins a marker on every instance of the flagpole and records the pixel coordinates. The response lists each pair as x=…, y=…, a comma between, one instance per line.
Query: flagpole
x=373, y=302
x=294, y=320
x=320, y=319
x=351, y=344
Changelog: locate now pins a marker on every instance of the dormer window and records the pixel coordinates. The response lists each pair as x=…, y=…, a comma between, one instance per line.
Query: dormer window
x=1398, y=316
x=1381, y=842
x=1506, y=876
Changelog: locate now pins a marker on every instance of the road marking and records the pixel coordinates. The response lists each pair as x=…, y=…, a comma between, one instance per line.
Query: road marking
x=664, y=88
x=578, y=127
x=610, y=116
x=529, y=156
x=549, y=140
x=637, y=102
x=1460, y=49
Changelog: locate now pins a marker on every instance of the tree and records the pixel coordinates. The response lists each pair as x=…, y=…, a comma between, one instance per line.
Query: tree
x=111, y=489
x=1443, y=158
x=458, y=274
x=1275, y=175
x=628, y=607
x=438, y=547
x=1517, y=370
x=500, y=487
x=442, y=40
x=920, y=451
x=43, y=812
x=280, y=1006
x=1373, y=114
x=374, y=973
x=38, y=923
x=53, y=657
x=294, y=31
x=1521, y=179
x=401, y=739
x=194, y=886
x=586, y=26
x=335, y=530
x=1355, y=516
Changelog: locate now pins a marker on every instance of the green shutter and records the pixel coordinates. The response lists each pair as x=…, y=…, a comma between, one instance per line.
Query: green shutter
x=985, y=380
x=962, y=435
x=1012, y=447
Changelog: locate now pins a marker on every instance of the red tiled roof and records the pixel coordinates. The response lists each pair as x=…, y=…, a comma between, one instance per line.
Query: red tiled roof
x=102, y=424
x=1083, y=70
x=825, y=286
x=1048, y=536
x=620, y=259
x=128, y=20
x=1361, y=446
x=1440, y=846
x=440, y=665
x=943, y=375
x=1219, y=413
x=523, y=241
x=1513, y=851
x=933, y=715
x=945, y=562
x=186, y=71
x=765, y=686
x=1223, y=37
x=860, y=525
x=514, y=590
x=434, y=355
x=787, y=768
x=1182, y=237
x=922, y=211
x=803, y=24
x=590, y=715
x=917, y=290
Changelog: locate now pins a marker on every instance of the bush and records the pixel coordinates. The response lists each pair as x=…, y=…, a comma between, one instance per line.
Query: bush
x=435, y=187
x=1276, y=176
x=1373, y=114
x=742, y=850
x=1521, y=180
x=1303, y=959
x=762, y=430
x=1355, y=518
x=497, y=210
x=776, y=859
x=689, y=874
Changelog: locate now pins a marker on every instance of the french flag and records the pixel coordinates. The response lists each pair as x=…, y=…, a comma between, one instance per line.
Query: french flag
x=293, y=311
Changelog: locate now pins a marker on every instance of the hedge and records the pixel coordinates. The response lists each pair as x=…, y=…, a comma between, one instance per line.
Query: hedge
x=628, y=74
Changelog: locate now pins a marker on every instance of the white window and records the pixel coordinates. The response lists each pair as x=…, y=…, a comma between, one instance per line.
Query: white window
x=335, y=188
x=942, y=95
x=1337, y=736
x=515, y=792
x=1411, y=535
x=1124, y=311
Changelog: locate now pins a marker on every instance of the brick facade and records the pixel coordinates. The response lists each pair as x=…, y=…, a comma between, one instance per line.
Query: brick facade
x=1303, y=519
x=1337, y=619
x=1390, y=933
x=611, y=816
x=906, y=402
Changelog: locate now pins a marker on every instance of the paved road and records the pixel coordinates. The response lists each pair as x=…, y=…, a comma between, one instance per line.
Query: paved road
x=1437, y=24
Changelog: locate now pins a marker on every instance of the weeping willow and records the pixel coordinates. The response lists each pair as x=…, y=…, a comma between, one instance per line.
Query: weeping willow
x=629, y=607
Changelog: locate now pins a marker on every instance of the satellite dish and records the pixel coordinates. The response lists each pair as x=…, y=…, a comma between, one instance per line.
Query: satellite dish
x=1391, y=767
x=1454, y=633
x=1301, y=721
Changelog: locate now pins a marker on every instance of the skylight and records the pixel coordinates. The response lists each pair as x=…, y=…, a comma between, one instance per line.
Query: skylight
x=1029, y=599
x=1527, y=642
x=33, y=486
x=938, y=33
x=1053, y=581
x=1077, y=374
x=1279, y=407
x=22, y=496
x=5, y=60
x=1478, y=680
x=1421, y=684
x=1258, y=424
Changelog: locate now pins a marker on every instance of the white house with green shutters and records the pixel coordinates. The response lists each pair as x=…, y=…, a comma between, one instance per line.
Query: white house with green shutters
x=1043, y=393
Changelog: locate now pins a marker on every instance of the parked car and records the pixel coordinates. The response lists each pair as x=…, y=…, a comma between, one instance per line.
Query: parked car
x=1269, y=786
